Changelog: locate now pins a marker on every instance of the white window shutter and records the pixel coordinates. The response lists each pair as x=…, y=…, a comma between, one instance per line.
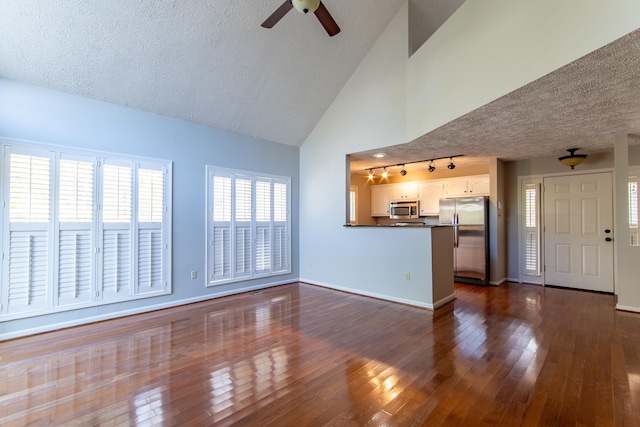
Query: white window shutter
x=117, y=250
x=75, y=267
x=243, y=251
x=221, y=252
x=280, y=248
x=532, y=230
x=29, y=283
x=116, y=193
x=29, y=188
x=149, y=261
x=116, y=264
x=263, y=249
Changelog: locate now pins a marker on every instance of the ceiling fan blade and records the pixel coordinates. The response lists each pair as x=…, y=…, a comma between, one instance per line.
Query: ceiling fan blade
x=278, y=14
x=326, y=20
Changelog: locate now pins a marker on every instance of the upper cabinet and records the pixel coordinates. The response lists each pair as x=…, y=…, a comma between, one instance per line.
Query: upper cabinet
x=380, y=198
x=404, y=191
x=430, y=194
x=467, y=186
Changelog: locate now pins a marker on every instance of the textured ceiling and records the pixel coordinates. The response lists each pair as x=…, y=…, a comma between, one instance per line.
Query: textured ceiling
x=209, y=62
x=583, y=104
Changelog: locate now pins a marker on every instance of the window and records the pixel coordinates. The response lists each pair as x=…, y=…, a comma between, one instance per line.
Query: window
x=81, y=229
x=532, y=229
x=248, y=225
x=353, y=204
x=633, y=210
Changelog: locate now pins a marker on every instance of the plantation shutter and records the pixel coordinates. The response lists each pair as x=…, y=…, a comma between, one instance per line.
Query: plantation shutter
x=116, y=230
x=221, y=227
x=151, y=207
x=75, y=221
x=633, y=210
x=263, y=226
x=280, y=227
x=242, y=230
x=248, y=225
x=532, y=229
x=28, y=260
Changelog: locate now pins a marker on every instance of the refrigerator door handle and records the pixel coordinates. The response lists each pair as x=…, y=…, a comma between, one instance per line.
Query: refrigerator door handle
x=455, y=236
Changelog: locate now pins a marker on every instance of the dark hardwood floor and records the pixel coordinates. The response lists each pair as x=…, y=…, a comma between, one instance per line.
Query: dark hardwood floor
x=303, y=355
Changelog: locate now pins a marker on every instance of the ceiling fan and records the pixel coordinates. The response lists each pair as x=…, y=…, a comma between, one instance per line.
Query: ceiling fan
x=304, y=6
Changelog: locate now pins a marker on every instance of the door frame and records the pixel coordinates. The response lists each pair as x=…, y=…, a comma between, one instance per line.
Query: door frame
x=539, y=179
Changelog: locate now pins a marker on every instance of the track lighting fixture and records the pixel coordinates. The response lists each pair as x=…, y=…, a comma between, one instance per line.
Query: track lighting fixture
x=451, y=165
x=403, y=170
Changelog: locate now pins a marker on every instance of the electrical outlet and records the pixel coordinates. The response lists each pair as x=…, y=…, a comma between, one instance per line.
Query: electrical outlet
x=407, y=277
x=194, y=275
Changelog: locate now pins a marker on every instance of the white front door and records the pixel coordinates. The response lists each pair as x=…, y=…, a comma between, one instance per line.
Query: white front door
x=578, y=220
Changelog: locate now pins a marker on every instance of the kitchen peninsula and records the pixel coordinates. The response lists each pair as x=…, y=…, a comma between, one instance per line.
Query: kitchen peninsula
x=430, y=270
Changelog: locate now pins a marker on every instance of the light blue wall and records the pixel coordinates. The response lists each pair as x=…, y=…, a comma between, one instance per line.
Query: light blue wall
x=36, y=114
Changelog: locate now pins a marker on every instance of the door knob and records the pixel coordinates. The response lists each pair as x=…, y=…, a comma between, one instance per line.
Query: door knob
x=607, y=231
x=608, y=239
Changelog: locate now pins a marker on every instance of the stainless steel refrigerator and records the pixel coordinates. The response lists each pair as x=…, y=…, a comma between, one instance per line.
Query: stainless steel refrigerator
x=470, y=218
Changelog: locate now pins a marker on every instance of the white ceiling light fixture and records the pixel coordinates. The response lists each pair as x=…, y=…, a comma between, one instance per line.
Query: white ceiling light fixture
x=306, y=6
x=379, y=155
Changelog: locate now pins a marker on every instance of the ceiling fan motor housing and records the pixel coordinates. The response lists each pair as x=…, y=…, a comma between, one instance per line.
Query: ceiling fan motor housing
x=305, y=6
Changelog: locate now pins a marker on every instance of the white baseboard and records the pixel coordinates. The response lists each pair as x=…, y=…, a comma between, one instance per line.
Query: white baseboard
x=138, y=310
x=443, y=301
x=499, y=282
x=627, y=308
x=370, y=294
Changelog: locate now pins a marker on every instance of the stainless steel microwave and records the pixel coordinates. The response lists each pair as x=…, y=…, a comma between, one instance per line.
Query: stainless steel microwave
x=404, y=210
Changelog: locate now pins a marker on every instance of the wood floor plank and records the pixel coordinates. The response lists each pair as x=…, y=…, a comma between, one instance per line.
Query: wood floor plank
x=304, y=355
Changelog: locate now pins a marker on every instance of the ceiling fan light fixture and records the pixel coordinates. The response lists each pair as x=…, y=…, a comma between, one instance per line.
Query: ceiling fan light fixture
x=306, y=6
x=573, y=159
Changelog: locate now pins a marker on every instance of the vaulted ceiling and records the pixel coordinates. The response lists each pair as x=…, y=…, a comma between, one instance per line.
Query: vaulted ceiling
x=209, y=62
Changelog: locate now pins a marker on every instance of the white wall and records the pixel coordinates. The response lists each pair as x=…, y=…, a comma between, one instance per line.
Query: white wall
x=490, y=48
x=33, y=113
x=487, y=48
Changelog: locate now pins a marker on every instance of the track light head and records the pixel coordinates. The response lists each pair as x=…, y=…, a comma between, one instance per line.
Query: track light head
x=451, y=165
x=432, y=167
x=384, y=173
x=370, y=174
x=403, y=172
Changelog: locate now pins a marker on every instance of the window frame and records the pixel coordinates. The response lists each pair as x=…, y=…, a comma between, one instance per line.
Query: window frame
x=223, y=252
x=92, y=231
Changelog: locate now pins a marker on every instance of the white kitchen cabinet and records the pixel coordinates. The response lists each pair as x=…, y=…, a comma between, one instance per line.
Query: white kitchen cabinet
x=455, y=187
x=430, y=194
x=478, y=185
x=380, y=198
x=468, y=186
x=404, y=191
